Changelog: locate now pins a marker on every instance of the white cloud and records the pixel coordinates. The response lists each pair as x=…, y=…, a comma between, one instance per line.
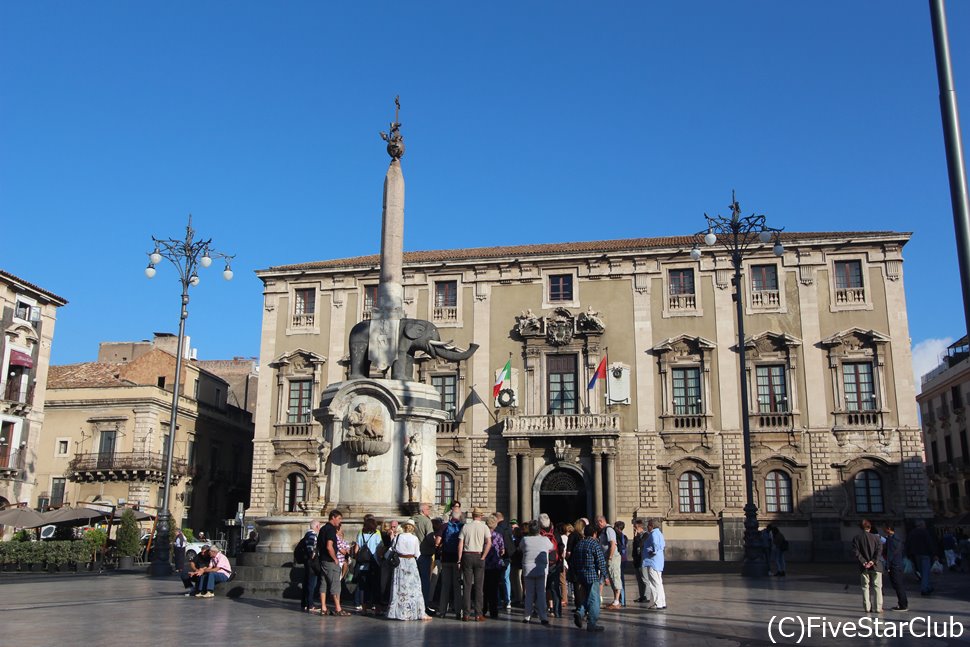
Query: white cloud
x=926, y=357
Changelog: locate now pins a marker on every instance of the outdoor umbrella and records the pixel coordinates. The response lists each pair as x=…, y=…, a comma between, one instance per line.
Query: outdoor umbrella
x=139, y=515
x=68, y=516
x=21, y=518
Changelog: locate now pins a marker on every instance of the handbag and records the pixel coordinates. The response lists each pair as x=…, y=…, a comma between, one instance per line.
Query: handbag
x=392, y=559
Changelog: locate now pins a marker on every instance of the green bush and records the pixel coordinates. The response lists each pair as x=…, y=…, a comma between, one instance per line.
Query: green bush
x=128, y=535
x=22, y=535
x=95, y=539
x=189, y=535
x=59, y=553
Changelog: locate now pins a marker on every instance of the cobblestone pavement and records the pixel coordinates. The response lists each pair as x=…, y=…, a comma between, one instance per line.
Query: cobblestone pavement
x=714, y=608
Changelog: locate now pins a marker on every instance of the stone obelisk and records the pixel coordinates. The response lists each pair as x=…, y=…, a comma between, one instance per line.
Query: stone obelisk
x=386, y=319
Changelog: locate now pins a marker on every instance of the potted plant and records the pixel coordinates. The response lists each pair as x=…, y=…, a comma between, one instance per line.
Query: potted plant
x=128, y=540
x=94, y=540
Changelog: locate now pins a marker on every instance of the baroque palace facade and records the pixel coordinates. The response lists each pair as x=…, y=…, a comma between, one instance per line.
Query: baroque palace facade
x=834, y=430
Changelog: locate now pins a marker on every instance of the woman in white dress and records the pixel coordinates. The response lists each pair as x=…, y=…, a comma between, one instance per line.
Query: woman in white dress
x=407, y=599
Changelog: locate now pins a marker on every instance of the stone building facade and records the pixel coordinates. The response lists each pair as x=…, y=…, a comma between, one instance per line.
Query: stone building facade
x=27, y=316
x=943, y=405
x=833, y=420
x=105, y=437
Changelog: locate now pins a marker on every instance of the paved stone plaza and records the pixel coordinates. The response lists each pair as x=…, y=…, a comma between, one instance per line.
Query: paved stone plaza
x=714, y=608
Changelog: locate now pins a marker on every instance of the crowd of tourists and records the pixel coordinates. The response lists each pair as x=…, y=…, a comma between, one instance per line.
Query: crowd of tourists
x=475, y=565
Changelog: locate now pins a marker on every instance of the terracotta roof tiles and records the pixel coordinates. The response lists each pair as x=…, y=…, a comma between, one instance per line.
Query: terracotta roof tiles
x=85, y=374
x=588, y=247
x=16, y=279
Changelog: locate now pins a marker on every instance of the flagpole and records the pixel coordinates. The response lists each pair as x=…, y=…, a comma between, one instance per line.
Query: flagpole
x=606, y=356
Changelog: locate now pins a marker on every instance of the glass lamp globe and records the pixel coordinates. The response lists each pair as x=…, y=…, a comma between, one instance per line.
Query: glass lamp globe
x=206, y=260
x=150, y=271
x=710, y=238
x=764, y=236
x=779, y=249
x=695, y=253
x=227, y=273
x=155, y=257
x=194, y=280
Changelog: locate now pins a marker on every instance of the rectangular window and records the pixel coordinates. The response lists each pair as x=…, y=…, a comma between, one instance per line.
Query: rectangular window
x=305, y=301
x=848, y=275
x=190, y=454
x=22, y=311
x=447, y=386
x=370, y=301
x=57, y=492
x=445, y=301
x=687, y=391
x=764, y=277
x=560, y=287
x=298, y=409
x=304, y=307
x=445, y=294
x=63, y=446
x=860, y=392
x=948, y=449
x=935, y=454
x=964, y=449
x=6, y=438
x=562, y=392
x=772, y=391
x=681, y=282
x=957, y=397
x=106, y=449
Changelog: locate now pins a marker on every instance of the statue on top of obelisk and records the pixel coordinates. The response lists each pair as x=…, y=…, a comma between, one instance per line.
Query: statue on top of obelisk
x=389, y=340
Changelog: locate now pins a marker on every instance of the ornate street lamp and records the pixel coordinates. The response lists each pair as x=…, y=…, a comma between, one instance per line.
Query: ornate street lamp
x=187, y=256
x=739, y=234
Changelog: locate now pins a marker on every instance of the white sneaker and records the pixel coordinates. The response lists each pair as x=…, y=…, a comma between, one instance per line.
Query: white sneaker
x=208, y=594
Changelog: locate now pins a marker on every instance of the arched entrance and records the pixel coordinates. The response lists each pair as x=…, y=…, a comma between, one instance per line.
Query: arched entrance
x=562, y=495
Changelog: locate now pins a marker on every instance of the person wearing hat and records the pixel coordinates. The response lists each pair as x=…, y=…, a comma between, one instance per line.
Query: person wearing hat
x=474, y=542
x=407, y=598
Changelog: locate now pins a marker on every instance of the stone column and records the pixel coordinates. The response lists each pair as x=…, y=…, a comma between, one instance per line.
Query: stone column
x=597, y=482
x=513, y=486
x=610, y=507
x=525, y=486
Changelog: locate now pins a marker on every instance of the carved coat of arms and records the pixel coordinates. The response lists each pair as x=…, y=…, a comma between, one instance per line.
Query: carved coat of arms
x=560, y=327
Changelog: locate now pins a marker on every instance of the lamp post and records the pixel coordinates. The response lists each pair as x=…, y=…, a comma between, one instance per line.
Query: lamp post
x=187, y=256
x=739, y=234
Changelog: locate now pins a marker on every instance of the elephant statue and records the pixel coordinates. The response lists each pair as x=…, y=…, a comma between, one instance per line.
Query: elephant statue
x=413, y=335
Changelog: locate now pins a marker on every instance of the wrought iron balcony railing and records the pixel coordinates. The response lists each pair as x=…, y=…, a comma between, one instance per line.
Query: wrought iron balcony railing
x=124, y=466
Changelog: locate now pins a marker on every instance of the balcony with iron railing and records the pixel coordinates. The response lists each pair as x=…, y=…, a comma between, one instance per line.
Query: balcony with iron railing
x=12, y=465
x=15, y=393
x=765, y=299
x=125, y=466
x=850, y=296
x=682, y=302
x=562, y=424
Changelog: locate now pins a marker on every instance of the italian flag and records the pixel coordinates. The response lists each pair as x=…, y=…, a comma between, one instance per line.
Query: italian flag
x=502, y=376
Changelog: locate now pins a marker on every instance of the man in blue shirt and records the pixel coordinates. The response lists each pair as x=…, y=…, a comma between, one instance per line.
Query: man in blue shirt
x=588, y=564
x=653, y=562
x=894, y=552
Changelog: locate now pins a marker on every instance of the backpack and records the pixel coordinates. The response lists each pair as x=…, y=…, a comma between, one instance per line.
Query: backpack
x=364, y=555
x=621, y=544
x=449, y=540
x=301, y=554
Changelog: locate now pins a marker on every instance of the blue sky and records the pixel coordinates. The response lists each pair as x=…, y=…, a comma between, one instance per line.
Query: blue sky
x=524, y=122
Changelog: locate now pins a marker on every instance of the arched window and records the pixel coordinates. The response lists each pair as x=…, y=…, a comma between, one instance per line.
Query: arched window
x=778, y=492
x=444, y=491
x=691, y=492
x=868, y=492
x=294, y=493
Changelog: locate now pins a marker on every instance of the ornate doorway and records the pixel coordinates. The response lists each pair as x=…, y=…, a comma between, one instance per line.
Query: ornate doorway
x=562, y=495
